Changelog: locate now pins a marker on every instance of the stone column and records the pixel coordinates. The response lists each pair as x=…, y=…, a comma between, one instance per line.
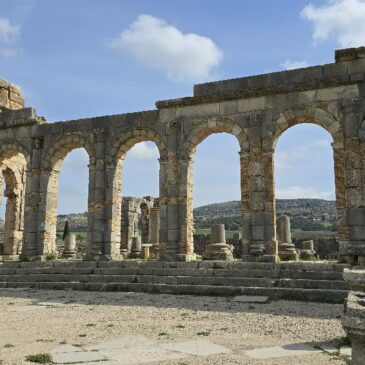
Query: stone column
x=33, y=245
x=176, y=208
x=287, y=250
x=218, y=233
x=10, y=242
x=103, y=235
x=353, y=320
x=218, y=249
x=271, y=244
x=245, y=205
x=353, y=248
x=258, y=203
x=341, y=223
x=154, y=226
x=136, y=247
x=307, y=251
x=69, y=251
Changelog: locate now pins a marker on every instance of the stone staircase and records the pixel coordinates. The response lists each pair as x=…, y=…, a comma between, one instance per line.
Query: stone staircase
x=308, y=281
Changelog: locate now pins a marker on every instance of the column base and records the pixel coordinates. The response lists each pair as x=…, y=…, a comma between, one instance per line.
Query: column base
x=288, y=252
x=260, y=258
x=218, y=251
x=179, y=257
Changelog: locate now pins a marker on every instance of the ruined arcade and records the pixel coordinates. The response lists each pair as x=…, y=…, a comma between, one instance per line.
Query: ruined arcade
x=256, y=110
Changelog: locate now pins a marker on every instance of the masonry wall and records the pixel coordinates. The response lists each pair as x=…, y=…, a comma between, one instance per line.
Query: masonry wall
x=256, y=110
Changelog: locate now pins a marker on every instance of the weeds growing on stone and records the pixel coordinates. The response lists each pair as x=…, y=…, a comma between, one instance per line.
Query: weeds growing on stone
x=203, y=333
x=344, y=341
x=40, y=358
x=8, y=345
x=82, y=335
x=91, y=325
x=52, y=255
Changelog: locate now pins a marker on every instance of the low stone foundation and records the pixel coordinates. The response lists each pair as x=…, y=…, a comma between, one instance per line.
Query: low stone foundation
x=294, y=280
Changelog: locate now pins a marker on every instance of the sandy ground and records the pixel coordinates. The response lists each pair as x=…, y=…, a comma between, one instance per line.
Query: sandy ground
x=88, y=318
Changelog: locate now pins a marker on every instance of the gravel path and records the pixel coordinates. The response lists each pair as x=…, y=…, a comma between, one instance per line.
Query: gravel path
x=88, y=318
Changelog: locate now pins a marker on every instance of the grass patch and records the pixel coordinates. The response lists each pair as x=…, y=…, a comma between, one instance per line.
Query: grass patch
x=203, y=333
x=344, y=341
x=40, y=358
x=91, y=325
x=180, y=326
x=8, y=346
x=82, y=335
x=163, y=334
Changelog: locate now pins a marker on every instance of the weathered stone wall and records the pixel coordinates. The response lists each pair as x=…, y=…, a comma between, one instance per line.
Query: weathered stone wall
x=135, y=220
x=256, y=110
x=10, y=96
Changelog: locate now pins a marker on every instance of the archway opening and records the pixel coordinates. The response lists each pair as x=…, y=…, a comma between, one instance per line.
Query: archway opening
x=140, y=198
x=217, y=193
x=305, y=188
x=67, y=201
x=12, y=184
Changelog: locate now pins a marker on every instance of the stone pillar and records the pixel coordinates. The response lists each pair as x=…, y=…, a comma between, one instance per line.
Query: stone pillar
x=69, y=251
x=10, y=243
x=353, y=320
x=154, y=226
x=218, y=249
x=34, y=199
x=136, y=247
x=353, y=230
x=341, y=221
x=104, y=205
x=258, y=203
x=287, y=249
x=245, y=205
x=176, y=207
x=307, y=251
x=218, y=233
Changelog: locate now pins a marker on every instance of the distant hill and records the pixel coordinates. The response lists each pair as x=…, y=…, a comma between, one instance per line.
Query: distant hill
x=307, y=214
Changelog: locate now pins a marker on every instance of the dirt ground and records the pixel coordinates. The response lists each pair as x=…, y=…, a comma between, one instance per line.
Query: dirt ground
x=84, y=319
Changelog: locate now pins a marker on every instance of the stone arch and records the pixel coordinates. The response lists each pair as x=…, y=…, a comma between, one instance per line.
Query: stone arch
x=332, y=125
x=213, y=125
x=14, y=162
x=124, y=142
x=51, y=164
x=316, y=116
x=114, y=165
x=56, y=153
x=194, y=137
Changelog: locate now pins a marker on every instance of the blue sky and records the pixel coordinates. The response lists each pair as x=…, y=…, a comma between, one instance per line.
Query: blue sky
x=83, y=58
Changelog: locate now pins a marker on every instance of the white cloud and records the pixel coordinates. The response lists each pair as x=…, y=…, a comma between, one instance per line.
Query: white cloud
x=298, y=192
x=9, y=52
x=9, y=34
x=163, y=47
x=144, y=151
x=293, y=64
x=341, y=20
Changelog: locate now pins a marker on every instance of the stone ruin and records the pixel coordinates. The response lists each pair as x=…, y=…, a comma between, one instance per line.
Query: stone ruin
x=353, y=320
x=256, y=110
x=139, y=224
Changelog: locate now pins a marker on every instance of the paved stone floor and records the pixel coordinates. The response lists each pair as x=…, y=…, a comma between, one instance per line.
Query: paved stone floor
x=135, y=328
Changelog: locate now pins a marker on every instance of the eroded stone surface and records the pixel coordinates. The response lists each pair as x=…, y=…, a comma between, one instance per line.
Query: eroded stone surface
x=281, y=351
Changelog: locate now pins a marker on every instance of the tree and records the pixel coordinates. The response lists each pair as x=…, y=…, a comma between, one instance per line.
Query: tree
x=66, y=230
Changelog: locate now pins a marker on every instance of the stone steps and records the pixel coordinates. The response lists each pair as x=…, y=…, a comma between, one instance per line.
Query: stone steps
x=329, y=295
x=296, y=280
